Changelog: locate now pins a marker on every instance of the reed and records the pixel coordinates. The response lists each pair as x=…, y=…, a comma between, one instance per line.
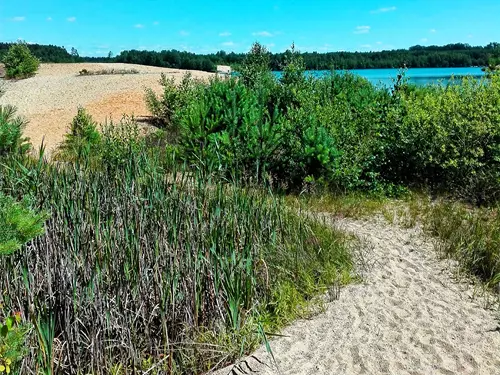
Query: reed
x=144, y=268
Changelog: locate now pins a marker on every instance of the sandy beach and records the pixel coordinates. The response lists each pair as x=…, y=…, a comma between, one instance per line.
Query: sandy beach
x=409, y=316
x=50, y=99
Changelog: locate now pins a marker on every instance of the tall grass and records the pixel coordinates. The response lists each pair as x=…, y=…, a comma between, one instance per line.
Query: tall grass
x=141, y=268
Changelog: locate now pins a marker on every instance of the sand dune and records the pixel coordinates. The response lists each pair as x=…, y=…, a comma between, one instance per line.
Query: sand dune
x=410, y=316
x=50, y=99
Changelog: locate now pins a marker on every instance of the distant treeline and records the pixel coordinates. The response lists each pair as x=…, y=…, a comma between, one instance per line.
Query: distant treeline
x=54, y=54
x=450, y=55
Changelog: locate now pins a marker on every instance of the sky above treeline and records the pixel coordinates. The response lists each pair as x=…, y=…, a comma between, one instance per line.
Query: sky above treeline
x=95, y=27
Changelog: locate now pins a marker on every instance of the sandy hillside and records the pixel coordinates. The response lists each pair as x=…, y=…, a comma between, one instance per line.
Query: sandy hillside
x=50, y=99
x=408, y=317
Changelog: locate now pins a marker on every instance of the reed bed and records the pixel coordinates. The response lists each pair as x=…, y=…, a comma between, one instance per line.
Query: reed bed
x=141, y=269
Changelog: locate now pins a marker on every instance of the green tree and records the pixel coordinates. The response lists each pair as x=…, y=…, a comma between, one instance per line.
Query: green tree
x=256, y=65
x=20, y=62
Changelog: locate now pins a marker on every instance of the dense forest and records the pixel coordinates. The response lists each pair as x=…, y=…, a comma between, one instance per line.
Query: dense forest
x=451, y=55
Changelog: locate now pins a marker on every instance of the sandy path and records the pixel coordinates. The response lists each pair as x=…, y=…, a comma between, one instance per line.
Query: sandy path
x=408, y=317
x=50, y=99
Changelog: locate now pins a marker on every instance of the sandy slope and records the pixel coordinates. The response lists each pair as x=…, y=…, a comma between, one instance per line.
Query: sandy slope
x=51, y=98
x=408, y=317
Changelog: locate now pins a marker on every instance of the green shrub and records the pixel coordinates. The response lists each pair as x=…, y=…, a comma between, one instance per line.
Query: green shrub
x=447, y=138
x=19, y=62
x=20, y=224
x=11, y=132
x=82, y=139
x=174, y=98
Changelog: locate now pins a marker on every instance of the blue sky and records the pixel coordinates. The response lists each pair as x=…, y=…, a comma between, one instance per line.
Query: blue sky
x=96, y=27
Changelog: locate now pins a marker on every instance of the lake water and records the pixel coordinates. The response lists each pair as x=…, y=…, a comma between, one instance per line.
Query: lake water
x=419, y=76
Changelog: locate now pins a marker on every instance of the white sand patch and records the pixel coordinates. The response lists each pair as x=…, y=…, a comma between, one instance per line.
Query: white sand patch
x=409, y=316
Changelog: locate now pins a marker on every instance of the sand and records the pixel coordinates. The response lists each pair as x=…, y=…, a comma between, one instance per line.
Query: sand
x=50, y=99
x=409, y=316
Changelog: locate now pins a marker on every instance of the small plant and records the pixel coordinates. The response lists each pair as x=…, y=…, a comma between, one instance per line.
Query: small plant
x=165, y=109
x=20, y=62
x=20, y=224
x=12, y=338
x=11, y=132
x=82, y=138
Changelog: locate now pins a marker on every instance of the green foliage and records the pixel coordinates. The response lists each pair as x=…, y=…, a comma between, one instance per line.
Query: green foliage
x=446, y=137
x=472, y=237
x=339, y=131
x=177, y=250
x=256, y=69
x=174, y=98
x=12, y=343
x=19, y=224
x=19, y=61
x=11, y=132
x=85, y=72
x=82, y=139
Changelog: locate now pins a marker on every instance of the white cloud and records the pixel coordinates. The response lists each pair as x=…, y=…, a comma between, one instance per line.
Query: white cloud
x=362, y=30
x=184, y=33
x=71, y=19
x=139, y=26
x=424, y=40
x=19, y=19
x=432, y=31
x=379, y=43
x=266, y=34
x=49, y=19
x=228, y=44
x=225, y=33
x=470, y=36
x=156, y=23
x=271, y=45
x=366, y=46
x=384, y=10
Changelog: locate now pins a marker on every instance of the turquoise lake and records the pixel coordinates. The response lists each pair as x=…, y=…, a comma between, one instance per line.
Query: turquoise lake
x=419, y=76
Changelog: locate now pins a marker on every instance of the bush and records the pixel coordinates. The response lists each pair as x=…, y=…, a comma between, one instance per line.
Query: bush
x=19, y=62
x=20, y=225
x=82, y=139
x=174, y=97
x=11, y=132
x=446, y=138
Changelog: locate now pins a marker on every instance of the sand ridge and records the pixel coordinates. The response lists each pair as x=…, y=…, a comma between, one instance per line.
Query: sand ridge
x=409, y=316
x=50, y=99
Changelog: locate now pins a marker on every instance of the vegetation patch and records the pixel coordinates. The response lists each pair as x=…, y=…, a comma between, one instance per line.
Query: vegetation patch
x=85, y=72
x=19, y=62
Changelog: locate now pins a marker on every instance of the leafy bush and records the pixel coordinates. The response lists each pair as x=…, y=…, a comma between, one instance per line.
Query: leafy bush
x=19, y=62
x=446, y=137
x=174, y=98
x=11, y=132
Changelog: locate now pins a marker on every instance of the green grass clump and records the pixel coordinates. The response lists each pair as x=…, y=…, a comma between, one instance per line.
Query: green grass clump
x=469, y=235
